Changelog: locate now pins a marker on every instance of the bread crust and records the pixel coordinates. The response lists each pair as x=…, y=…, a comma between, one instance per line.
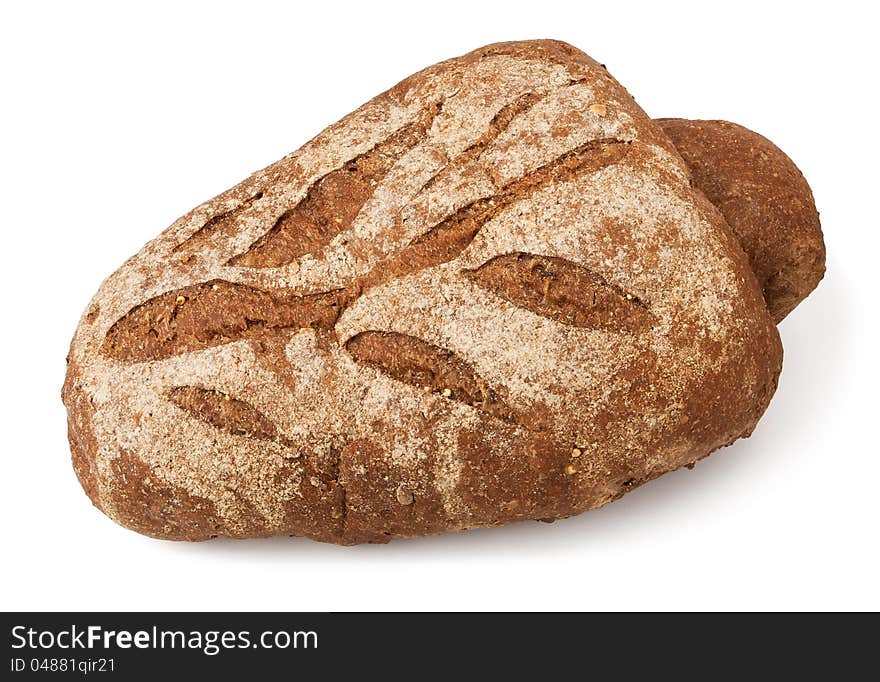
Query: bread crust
x=490, y=294
x=765, y=200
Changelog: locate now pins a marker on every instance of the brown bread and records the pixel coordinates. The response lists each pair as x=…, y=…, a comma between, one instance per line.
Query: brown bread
x=490, y=294
x=765, y=200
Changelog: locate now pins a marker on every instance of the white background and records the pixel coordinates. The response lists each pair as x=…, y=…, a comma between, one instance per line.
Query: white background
x=114, y=121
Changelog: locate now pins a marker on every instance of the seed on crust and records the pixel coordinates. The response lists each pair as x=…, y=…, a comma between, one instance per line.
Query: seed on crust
x=404, y=495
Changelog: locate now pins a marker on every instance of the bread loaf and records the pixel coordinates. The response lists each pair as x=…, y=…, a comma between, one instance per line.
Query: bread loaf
x=490, y=294
x=764, y=199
